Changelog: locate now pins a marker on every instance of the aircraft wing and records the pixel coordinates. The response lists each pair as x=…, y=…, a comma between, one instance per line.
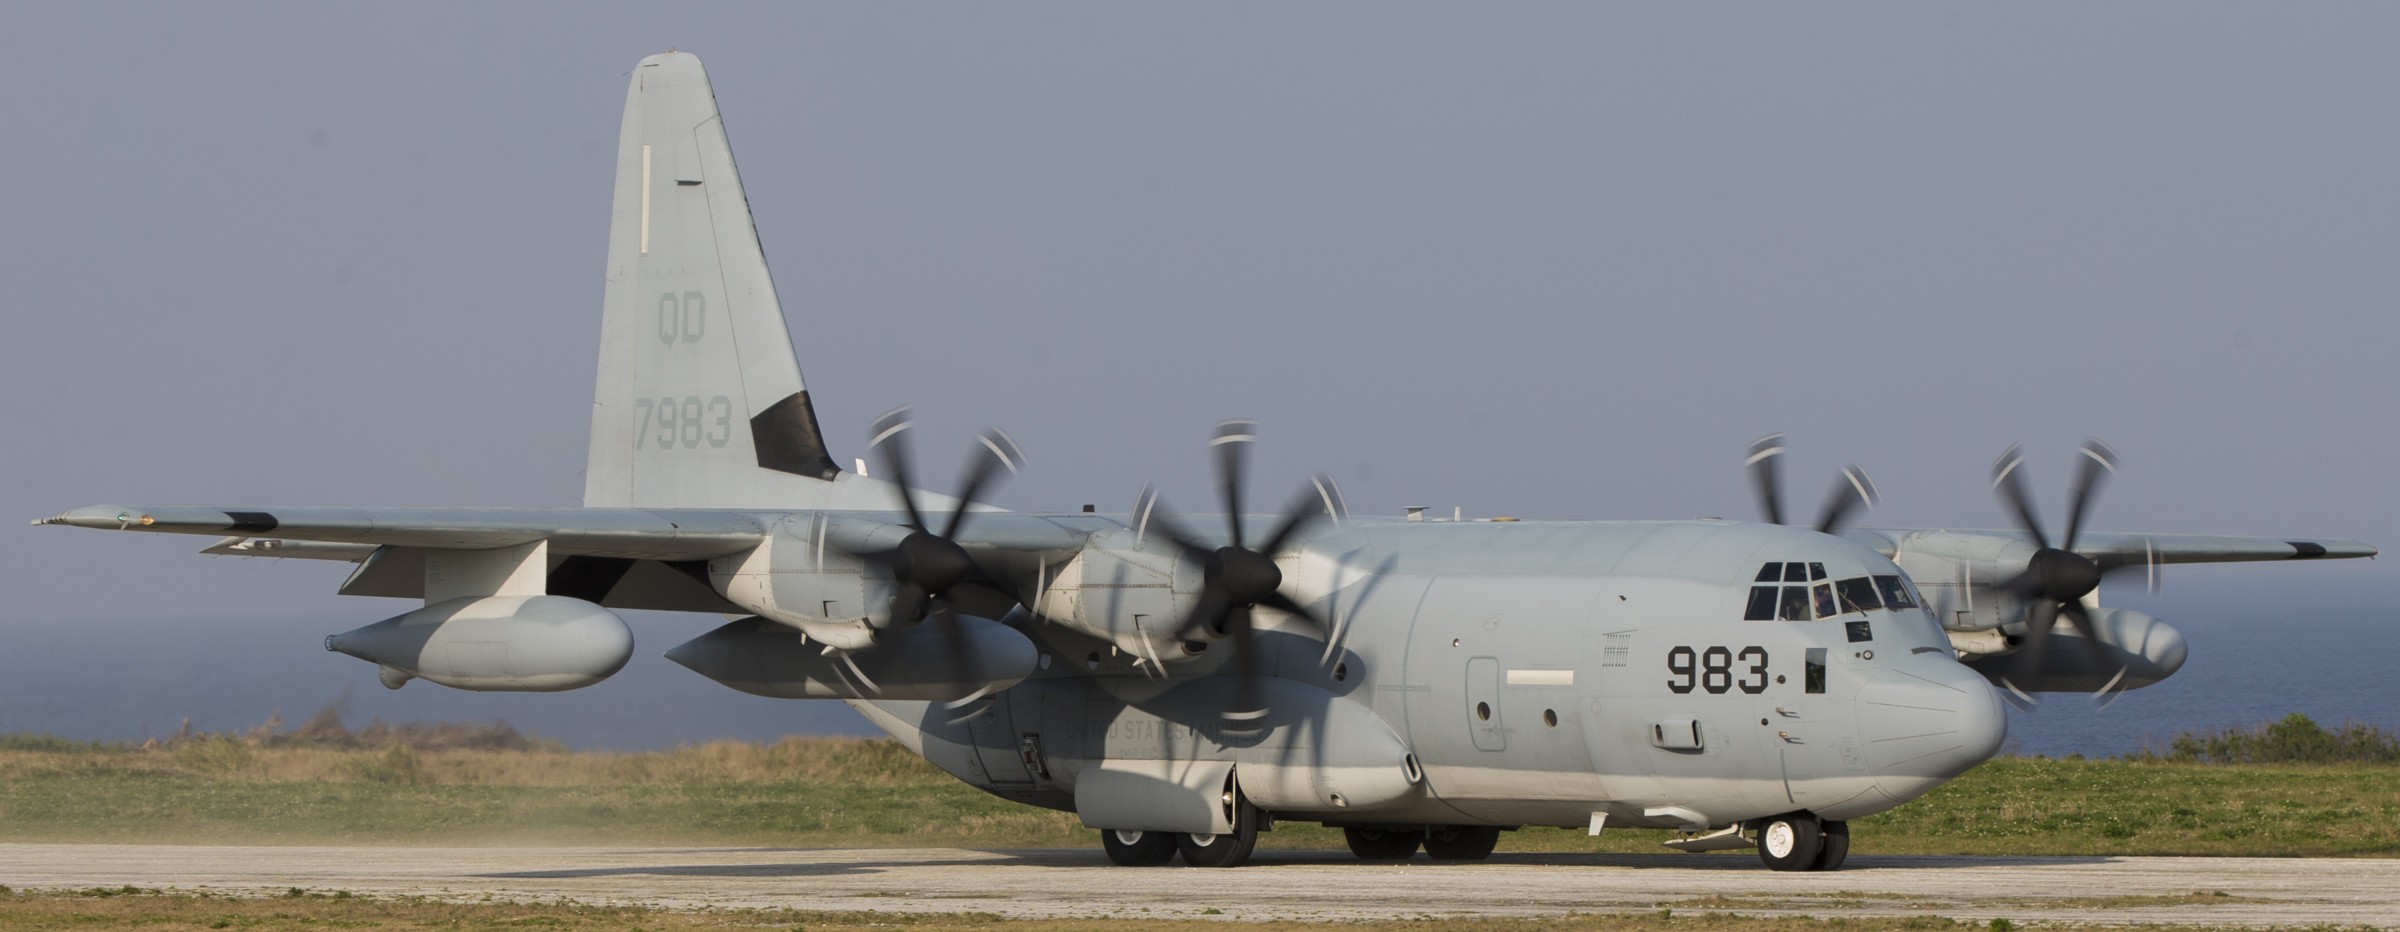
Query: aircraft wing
x=630, y=533
x=2112, y=549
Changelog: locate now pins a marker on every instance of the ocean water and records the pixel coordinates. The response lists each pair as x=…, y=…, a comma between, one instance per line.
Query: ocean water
x=2262, y=647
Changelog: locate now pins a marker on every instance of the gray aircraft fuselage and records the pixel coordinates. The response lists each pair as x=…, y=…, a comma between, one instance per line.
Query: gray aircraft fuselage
x=1528, y=668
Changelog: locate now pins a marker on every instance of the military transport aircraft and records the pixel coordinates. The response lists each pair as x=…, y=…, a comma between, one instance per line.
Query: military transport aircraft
x=1184, y=686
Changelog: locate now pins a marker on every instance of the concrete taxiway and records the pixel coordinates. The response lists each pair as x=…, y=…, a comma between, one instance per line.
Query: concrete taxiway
x=1280, y=885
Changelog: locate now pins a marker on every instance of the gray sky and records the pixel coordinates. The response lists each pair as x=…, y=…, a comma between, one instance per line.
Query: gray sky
x=1554, y=261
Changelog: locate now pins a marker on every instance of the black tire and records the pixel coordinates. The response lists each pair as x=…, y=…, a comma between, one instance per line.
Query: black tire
x=1462, y=842
x=1837, y=847
x=1137, y=849
x=1383, y=844
x=1231, y=849
x=1790, y=842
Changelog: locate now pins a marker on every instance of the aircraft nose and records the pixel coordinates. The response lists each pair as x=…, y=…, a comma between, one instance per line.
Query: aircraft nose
x=1926, y=722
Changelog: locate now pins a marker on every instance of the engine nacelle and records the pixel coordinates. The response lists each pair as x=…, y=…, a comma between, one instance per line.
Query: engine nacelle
x=2145, y=649
x=1125, y=594
x=945, y=657
x=538, y=643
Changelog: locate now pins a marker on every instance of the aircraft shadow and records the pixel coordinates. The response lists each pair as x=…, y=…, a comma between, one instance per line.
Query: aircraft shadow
x=1094, y=859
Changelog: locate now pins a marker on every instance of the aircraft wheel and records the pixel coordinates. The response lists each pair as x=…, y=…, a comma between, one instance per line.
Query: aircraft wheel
x=1231, y=849
x=1382, y=844
x=1462, y=842
x=1137, y=849
x=1791, y=842
x=1837, y=847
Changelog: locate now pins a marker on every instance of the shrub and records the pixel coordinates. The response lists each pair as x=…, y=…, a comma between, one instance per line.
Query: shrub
x=2296, y=739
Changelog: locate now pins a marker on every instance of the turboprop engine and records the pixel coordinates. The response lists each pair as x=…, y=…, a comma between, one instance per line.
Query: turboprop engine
x=539, y=643
x=2136, y=650
x=947, y=657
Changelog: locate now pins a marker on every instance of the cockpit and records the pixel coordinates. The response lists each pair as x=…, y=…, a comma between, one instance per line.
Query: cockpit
x=1797, y=591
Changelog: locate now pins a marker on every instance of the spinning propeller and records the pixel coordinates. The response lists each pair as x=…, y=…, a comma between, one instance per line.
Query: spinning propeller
x=2057, y=579
x=1236, y=577
x=927, y=564
x=1851, y=491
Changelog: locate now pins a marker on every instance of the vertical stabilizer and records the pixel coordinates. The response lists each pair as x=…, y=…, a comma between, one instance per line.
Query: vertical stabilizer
x=700, y=402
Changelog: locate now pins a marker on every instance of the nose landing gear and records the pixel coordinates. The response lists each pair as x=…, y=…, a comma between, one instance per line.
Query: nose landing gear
x=1799, y=841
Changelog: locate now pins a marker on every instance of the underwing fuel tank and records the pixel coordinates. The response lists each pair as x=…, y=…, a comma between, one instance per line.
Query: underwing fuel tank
x=942, y=658
x=538, y=643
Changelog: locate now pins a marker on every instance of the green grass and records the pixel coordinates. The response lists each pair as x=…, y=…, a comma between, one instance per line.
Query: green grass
x=862, y=793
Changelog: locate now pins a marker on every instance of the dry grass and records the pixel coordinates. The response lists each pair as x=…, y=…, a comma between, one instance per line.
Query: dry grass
x=862, y=761
x=130, y=907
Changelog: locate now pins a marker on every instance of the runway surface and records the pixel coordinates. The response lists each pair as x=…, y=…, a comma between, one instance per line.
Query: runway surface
x=1280, y=885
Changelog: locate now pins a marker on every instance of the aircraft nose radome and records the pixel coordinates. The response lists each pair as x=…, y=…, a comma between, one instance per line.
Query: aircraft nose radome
x=1926, y=723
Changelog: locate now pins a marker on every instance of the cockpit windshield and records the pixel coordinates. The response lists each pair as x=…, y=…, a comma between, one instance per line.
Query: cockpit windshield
x=1895, y=592
x=1800, y=592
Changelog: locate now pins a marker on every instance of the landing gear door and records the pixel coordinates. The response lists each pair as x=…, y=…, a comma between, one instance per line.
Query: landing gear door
x=998, y=745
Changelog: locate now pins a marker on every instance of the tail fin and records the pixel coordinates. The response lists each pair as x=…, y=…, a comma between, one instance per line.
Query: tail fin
x=700, y=402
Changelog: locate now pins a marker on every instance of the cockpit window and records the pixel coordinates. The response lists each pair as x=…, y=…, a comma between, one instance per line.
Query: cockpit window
x=1816, y=571
x=1795, y=572
x=1825, y=607
x=1762, y=604
x=1857, y=595
x=1895, y=593
x=1772, y=572
x=1795, y=604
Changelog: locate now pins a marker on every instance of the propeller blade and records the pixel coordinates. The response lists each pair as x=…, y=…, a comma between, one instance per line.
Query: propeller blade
x=999, y=451
x=889, y=439
x=1232, y=446
x=2095, y=639
x=1308, y=504
x=1765, y=466
x=909, y=602
x=2098, y=463
x=2040, y=617
x=2012, y=492
x=1853, y=490
x=1284, y=604
x=1209, y=613
x=1175, y=534
x=1248, y=705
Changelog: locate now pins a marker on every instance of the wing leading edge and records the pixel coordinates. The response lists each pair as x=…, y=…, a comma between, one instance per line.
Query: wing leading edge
x=630, y=533
x=2111, y=549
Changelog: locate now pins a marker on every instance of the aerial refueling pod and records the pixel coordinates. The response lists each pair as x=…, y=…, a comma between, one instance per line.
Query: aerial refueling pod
x=946, y=657
x=537, y=643
x=2145, y=649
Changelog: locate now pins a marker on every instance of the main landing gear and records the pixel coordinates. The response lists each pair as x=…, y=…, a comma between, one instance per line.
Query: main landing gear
x=1155, y=849
x=1442, y=842
x=1799, y=841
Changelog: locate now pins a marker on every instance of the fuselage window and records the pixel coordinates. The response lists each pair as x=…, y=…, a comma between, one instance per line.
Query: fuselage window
x=1795, y=604
x=1857, y=594
x=1815, y=680
x=1762, y=604
x=1895, y=594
